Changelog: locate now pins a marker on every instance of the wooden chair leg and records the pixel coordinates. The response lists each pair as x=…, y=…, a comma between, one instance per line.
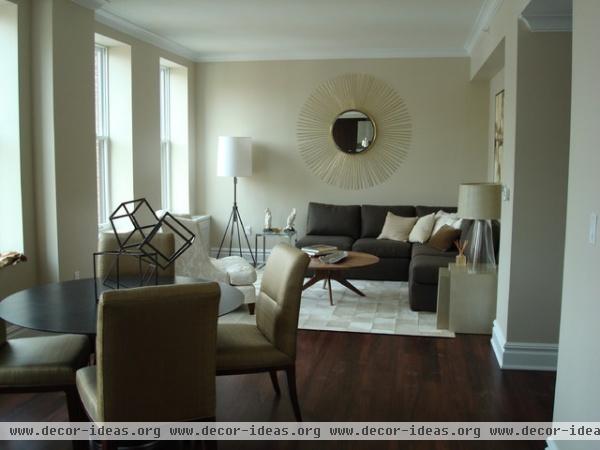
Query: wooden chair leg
x=275, y=381
x=251, y=308
x=74, y=405
x=291, y=380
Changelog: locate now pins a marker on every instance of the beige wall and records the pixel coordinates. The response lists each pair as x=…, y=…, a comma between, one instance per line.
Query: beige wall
x=534, y=169
x=263, y=99
x=577, y=391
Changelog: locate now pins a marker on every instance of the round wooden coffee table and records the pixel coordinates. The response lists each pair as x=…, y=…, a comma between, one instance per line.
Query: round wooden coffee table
x=329, y=272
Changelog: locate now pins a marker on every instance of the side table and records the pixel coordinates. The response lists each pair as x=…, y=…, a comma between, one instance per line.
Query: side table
x=466, y=301
x=264, y=234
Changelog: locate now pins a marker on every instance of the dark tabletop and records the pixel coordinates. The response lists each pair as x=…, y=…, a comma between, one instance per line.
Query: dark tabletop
x=70, y=306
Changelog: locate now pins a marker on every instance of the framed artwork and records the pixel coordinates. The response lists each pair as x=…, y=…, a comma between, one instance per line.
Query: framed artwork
x=498, y=136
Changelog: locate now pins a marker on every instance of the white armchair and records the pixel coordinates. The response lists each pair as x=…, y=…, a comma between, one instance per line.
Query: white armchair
x=196, y=262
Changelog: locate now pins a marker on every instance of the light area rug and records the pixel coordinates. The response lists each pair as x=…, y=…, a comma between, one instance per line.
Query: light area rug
x=384, y=310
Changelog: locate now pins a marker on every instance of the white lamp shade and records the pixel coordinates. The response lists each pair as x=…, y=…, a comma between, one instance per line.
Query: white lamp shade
x=234, y=157
x=479, y=201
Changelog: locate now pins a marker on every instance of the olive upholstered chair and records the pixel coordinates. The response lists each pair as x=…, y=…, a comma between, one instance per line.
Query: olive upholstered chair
x=43, y=364
x=128, y=265
x=270, y=345
x=155, y=355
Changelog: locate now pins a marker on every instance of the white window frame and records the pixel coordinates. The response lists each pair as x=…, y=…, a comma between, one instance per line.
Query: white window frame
x=165, y=136
x=102, y=135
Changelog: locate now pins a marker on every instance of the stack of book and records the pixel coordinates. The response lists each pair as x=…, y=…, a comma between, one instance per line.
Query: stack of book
x=319, y=249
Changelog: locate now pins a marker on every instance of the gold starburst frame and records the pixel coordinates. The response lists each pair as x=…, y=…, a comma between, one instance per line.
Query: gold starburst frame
x=379, y=102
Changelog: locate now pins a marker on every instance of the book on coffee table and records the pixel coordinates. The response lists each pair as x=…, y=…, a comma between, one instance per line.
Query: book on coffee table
x=319, y=249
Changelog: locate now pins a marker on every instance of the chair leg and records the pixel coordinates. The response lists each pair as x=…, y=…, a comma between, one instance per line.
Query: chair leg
x=291, y=380
x=110, y=445
x=251, y=308
x=274, y=381
x=74, y=405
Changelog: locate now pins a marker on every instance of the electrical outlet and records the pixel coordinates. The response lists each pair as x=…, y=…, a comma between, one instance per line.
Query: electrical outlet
x=593, y=228
x=248, y=230
x=77, y=275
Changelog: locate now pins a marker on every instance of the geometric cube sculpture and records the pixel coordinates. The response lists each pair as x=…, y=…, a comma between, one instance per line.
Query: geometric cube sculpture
x=138, y=220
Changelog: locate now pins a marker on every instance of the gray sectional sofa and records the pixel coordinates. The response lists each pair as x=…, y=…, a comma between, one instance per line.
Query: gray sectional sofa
x=356, y=227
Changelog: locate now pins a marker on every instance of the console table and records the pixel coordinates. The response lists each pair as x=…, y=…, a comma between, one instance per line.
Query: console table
x=264, y=234
x=466, y=301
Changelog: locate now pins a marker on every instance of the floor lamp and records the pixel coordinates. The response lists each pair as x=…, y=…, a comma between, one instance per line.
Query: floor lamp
x=481, y=203
x=234, y=159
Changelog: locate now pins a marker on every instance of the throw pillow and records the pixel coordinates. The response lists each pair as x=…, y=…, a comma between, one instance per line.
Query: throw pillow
x=397, y=228
x=444, y=218
x=443, y=239
x=421, y=232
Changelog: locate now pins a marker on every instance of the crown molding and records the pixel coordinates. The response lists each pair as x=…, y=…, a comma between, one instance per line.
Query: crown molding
x=91, y=4
x=120, y=24
x=549, y=22
x=340, y=54
x=486, y=13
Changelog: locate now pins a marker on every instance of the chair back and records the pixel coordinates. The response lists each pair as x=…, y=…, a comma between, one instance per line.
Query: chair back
x=129, y=265
x=278, y=303
x=156, y=353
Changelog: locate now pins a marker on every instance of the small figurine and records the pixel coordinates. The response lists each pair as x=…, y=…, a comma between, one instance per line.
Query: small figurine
x=365, y=143
x=267, y=220
x=289, y=227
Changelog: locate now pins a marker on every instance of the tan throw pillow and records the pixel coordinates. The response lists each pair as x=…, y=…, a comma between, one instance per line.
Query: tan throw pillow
x=421, y=232
x=397, y=228
x=443, y=239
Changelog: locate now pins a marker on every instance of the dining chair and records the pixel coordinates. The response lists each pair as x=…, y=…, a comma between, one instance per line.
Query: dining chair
x=270, y=345
x=156, y=351
x=129, y=265
x=44, y=364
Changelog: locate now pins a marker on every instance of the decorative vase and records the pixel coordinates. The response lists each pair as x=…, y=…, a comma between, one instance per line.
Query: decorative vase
x=461, y=260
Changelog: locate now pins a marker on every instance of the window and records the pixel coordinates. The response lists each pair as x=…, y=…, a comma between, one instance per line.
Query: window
x=11, y=225
x=165, y=135
x=102, y=139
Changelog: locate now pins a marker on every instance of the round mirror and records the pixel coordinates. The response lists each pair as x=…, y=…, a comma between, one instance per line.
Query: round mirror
x=353, y=131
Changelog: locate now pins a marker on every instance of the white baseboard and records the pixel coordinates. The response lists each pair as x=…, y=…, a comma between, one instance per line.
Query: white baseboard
x=551, y=445
x=523, y=355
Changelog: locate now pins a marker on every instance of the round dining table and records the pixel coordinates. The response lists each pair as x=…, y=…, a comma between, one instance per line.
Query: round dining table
x=71, y=306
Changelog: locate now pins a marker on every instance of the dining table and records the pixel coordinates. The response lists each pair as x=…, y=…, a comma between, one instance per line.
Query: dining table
x=72, y=306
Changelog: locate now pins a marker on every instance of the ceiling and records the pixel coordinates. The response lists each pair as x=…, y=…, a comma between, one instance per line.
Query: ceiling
x=229, y=30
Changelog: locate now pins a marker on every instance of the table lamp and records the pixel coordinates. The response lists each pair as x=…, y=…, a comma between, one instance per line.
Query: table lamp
x=481, y=203
x=234, y=159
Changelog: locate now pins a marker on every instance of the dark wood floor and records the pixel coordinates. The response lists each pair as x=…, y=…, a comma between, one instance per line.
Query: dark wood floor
x=363, y=377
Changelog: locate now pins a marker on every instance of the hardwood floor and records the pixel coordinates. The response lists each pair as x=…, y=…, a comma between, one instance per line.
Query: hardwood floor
x=362, y=377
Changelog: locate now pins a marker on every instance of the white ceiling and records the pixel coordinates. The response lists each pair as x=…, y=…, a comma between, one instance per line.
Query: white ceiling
x=302, y=29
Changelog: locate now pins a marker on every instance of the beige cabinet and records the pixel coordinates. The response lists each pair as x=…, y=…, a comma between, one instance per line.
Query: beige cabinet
x=466, y=300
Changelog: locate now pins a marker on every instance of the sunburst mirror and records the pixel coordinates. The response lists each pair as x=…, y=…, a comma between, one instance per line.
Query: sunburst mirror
x=354, y=131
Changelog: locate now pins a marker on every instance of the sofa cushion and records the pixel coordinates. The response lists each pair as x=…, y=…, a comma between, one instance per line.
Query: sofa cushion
x=424, y=269
x=383, y=248
x=426, y=250
x=424, y=210
x=333, y=220
x=341, y=242
x=373, y=217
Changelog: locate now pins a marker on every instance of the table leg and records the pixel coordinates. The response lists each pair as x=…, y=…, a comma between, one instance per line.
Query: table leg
x=329, y=286
x=318, y=276
x=340, y=279
x=256, y=249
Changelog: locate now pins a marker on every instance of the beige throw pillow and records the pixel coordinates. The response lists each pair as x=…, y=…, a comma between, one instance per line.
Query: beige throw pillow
x=397, y=228
x=421, y=232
